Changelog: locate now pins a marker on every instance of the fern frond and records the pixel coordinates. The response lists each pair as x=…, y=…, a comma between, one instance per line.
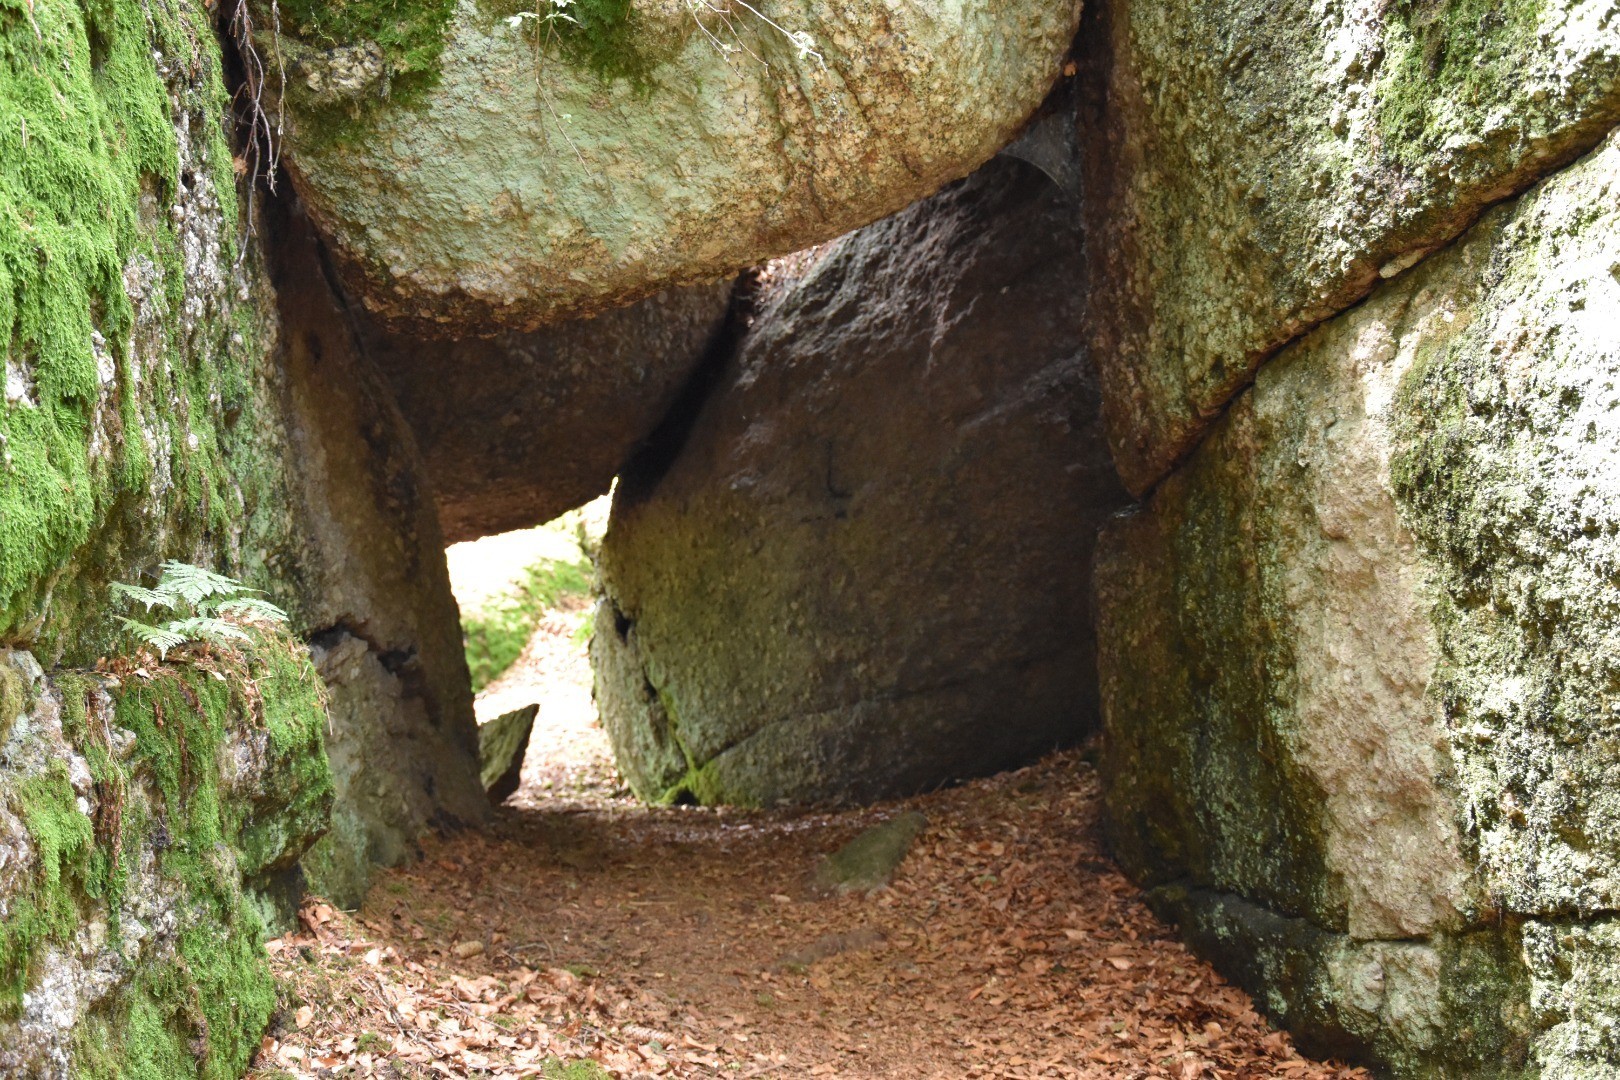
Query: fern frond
x=196, y=584
x=254, y=608
x=151, y=598
x=204, y=628
x=161, y=638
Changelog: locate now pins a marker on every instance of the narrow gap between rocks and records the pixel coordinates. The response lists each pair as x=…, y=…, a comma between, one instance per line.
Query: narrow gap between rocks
x=587, y=934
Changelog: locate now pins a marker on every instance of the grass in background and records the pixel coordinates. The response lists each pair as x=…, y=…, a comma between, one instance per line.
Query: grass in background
x=496, y=633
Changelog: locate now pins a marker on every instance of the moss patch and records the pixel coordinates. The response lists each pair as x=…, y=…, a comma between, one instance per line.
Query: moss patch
x=1448, y=55
x=181, y=798
x=98, y=409
x=410, y=33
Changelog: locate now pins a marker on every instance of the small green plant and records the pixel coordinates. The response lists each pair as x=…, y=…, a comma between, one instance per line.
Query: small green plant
x=209, y=607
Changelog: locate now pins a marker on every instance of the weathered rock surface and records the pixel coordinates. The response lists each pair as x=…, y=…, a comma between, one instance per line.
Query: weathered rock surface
x=373, y=591
x=866, y=570
x=502, y=744
x=517, y=428
x=146, y=831
x=513, y=183
x=1256, y=168
x=1358, y=658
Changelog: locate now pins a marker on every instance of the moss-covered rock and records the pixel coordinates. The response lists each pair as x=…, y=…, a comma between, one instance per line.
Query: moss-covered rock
x=862, y=568
x=562, y=167
x=146, y=824
x=1358, y=660
x=159, y=404
x=1259, y=168
x=129, y=326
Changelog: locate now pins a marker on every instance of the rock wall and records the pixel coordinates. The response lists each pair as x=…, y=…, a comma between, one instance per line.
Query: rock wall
x=861, y=568
x=1358, y=660
x=1254, y=169
x=518, y=428
x=483, y=170
x=373, y=589
x=148, y=827
x=132, y=326
x=163, y=402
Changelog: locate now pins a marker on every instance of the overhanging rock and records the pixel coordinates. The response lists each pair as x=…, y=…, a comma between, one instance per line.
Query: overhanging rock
x=475, y=169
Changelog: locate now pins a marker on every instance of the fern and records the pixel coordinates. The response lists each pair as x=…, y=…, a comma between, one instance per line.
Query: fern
x=251, y=607
x=160, y=638
x=150, y=597
x=210, y=606
x=194, y=584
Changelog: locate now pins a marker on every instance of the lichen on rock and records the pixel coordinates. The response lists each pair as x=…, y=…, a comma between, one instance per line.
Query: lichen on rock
x=1259, y=169
x=1357, y=659
x=523, y=187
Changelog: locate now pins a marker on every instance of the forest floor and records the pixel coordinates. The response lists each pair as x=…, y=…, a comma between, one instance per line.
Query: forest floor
x=587, y=935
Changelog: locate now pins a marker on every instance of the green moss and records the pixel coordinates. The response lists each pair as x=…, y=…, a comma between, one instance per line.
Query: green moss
x=48, y=910
x=410, y=33
x=555, y=1069
x=495, y=634
x=15, y=697
x=87, y=134
x=1443, y=56
x=199, y=1011
x=608, y=38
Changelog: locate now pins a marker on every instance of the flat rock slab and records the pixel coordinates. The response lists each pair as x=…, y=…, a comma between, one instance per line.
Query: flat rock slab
x=869, y=861
x=521, y=187
x=501, y=746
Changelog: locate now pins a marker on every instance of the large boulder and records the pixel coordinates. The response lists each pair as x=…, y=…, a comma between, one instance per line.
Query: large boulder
x=1358, y=658
x=480, y=169
x=1255, y=169
x=862, y=568
x=517, y=428
x=371, y=588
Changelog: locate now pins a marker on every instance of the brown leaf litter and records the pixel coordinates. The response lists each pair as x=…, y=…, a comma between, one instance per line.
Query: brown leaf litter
x=682, y=942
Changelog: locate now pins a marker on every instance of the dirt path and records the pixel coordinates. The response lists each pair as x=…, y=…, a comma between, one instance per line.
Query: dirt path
x=686, y=942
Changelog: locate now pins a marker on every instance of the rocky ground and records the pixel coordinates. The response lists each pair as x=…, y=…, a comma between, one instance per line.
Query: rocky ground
x=586, y=932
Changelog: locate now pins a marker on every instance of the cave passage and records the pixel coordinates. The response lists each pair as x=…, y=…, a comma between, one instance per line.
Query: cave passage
x=588, y=931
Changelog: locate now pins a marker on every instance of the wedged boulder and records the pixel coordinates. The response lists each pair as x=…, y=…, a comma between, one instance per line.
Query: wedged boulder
x=518, y=428
x=483, y=170
x=1254, y=169
x=1358, y=656
x=502, y=745
x=147, y=831
x=862, y=568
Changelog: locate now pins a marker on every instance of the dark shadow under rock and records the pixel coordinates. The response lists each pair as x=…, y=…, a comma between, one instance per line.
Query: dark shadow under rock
x=520, y=427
